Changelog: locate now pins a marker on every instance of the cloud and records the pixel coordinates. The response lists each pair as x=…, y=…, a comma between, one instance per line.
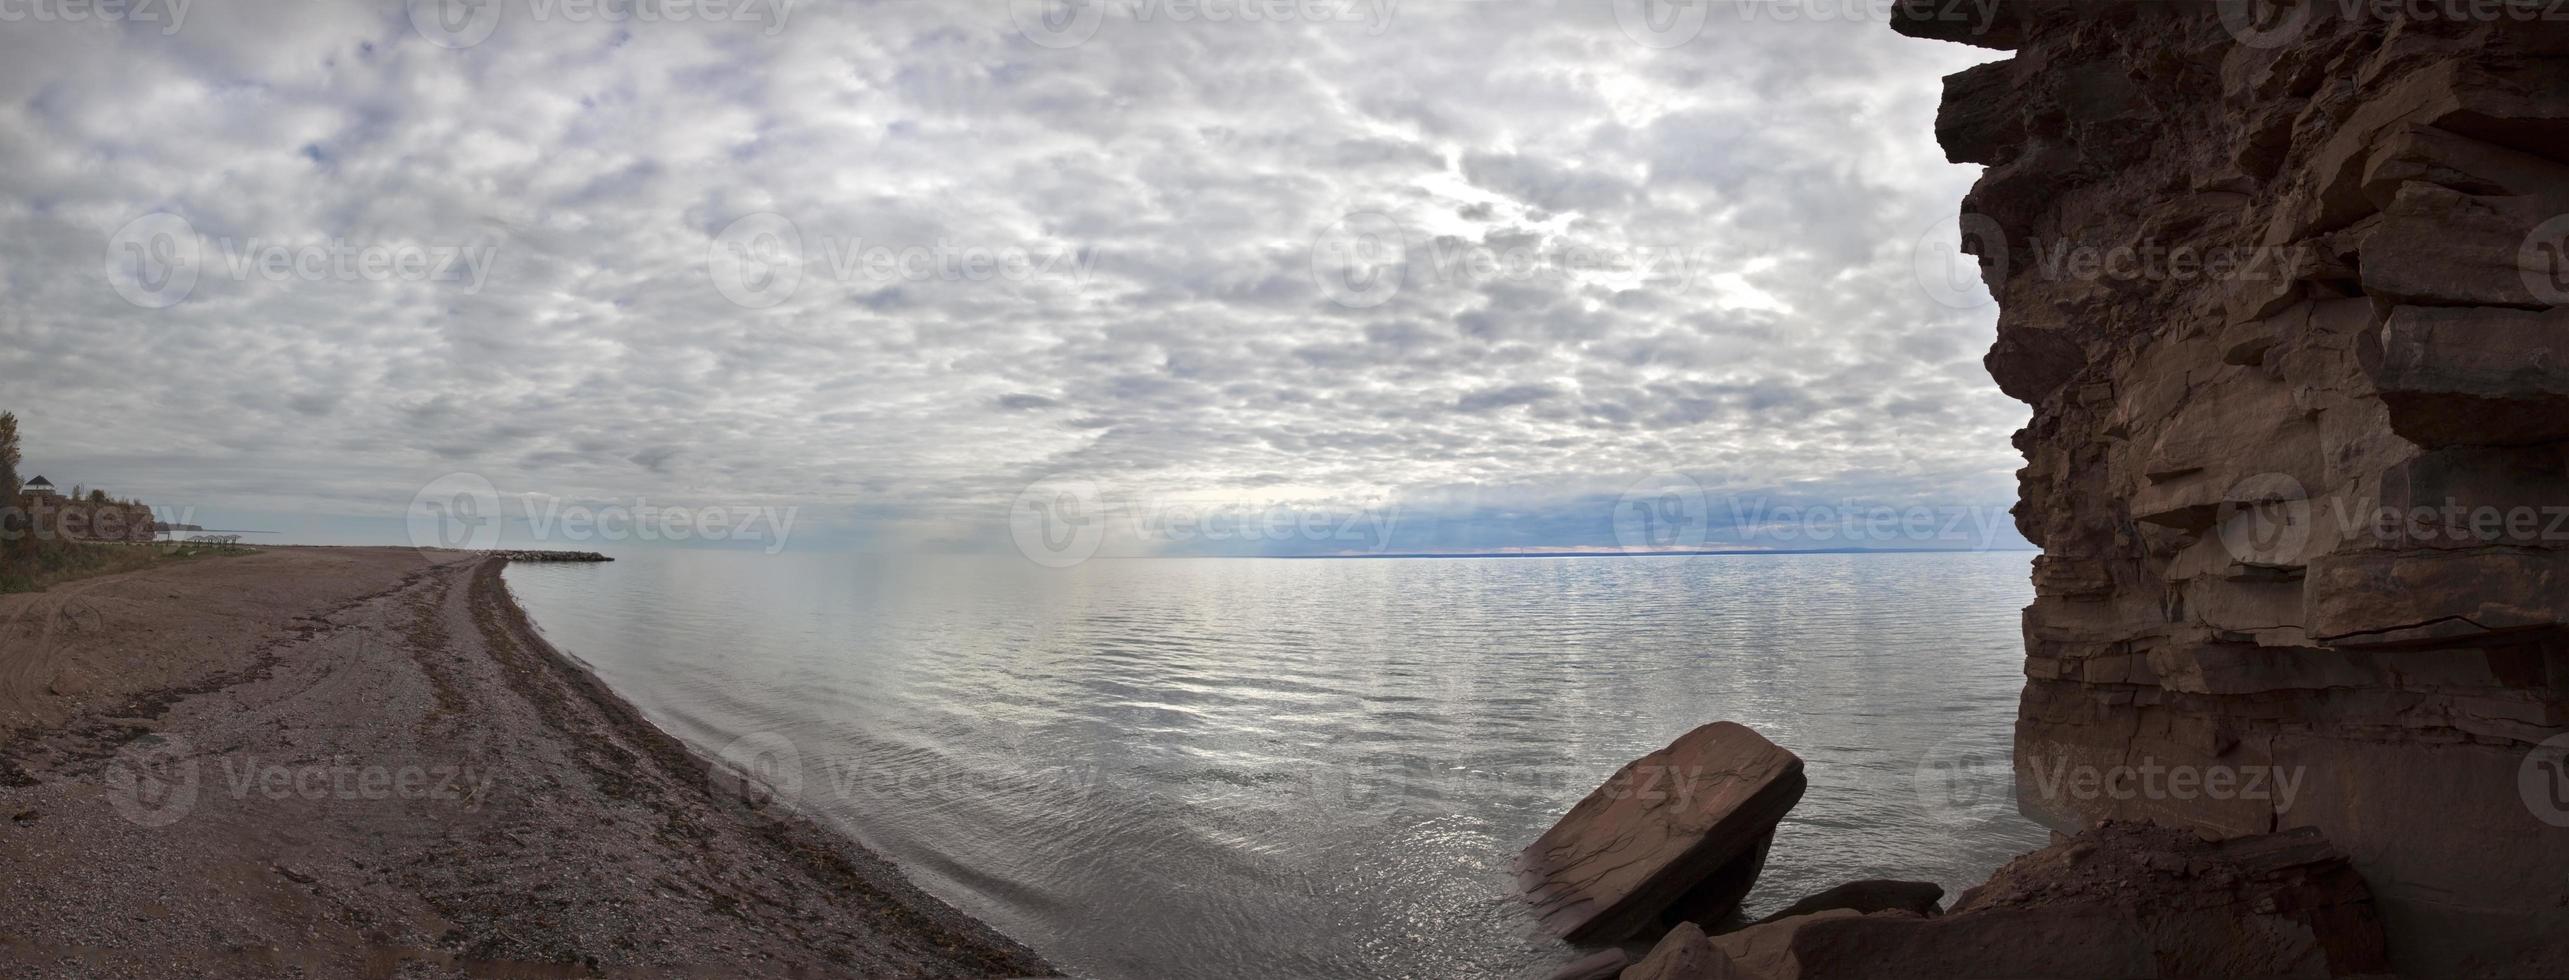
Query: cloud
x=900, y=260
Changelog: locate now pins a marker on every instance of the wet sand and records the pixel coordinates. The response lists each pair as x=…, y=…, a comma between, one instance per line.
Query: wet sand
x=329, y=762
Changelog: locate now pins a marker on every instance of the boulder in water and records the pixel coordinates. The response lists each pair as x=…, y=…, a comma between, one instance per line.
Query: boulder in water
x=1668, y=832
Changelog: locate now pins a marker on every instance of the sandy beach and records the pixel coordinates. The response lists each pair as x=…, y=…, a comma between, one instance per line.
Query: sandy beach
x=366, y=762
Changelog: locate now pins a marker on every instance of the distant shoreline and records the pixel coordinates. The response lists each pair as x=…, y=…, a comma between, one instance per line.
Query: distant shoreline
x=1648, y=554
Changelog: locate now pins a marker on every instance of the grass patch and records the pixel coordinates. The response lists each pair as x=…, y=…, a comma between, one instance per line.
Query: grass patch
x=56, y=562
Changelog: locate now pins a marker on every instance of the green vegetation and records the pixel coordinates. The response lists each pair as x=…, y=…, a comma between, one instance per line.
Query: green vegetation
x=48, y=540
x=66, y=561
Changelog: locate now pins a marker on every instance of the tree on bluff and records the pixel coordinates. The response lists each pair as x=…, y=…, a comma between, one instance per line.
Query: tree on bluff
x=15, y=543
x=8, y=456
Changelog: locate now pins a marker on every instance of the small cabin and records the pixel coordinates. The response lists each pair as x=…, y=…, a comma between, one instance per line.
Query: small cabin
x=40, y=487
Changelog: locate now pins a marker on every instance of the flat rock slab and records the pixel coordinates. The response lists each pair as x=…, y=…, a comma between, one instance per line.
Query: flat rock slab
x=1659, y=828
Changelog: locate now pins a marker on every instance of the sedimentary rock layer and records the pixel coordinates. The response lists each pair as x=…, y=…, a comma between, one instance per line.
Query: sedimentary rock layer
x=2285, y=287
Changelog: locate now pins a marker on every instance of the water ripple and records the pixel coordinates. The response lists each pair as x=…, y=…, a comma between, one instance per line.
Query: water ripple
x=1178, y=769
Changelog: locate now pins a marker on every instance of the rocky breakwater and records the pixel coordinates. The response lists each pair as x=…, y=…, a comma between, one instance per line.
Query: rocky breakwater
x=550, y=556
x=1654, y=863
x=2287, y=287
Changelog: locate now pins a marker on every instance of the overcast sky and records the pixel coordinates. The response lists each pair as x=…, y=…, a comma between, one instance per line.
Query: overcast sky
x=1479, y=269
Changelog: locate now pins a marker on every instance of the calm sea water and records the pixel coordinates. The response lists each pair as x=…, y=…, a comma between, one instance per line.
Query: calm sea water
x=1313, y=768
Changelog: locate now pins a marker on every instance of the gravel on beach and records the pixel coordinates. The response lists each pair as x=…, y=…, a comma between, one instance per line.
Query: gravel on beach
x=343, y=762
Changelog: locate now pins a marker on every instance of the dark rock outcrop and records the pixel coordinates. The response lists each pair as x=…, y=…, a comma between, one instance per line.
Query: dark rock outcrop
x=1677, y=834
x=2124, y=900
x=2284, y=284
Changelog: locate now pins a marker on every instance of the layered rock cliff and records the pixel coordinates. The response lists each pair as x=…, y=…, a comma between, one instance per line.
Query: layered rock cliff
x=2287, y=286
